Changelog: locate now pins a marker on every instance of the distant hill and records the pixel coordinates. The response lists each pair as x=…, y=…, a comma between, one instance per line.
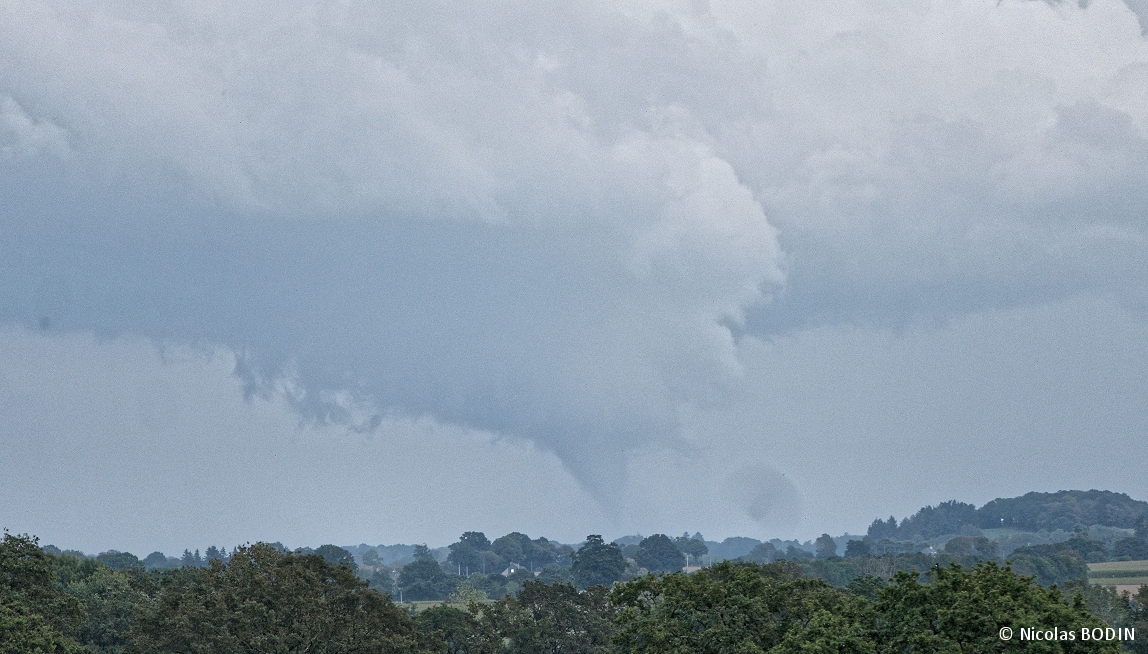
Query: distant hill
x=1062, y=510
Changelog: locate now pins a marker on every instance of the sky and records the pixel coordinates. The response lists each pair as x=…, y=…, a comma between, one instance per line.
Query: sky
x=385, y=272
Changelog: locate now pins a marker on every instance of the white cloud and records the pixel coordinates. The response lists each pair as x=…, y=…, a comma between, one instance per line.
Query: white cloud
x=557, y=221
x=22, y=136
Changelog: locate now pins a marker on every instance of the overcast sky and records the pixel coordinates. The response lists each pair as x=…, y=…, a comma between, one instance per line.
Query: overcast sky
x=386, y=272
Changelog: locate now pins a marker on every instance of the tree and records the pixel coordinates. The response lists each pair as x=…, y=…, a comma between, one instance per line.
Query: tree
x=883, y=529
x=424, y=580
x=466, y=553
x=112, y=598
x=658, y=553
x=423, y=553
x=267, y=601
x=694, y=547
x=336, y=555
x=855, y=548
x=120, y=560
x=1133, y=547
x=974, y=546
x=738, y=607
x=762, y=553
x=597, y=563
x=963, y=610
x=371, y=558
x=475, y=539
x=35, y=614
x=1142, y=527
x=825, y=546
x=155, y=560
x=553, y=618
x=189, y=560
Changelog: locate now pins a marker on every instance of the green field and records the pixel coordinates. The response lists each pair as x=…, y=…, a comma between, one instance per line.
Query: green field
x=1119, y=573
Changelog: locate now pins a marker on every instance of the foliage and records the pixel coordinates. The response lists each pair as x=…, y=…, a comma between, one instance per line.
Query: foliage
x=34, y=610
x=120, y=560
x=460, y=631
x=336, y=555
x=737, y=607
x=556, y=574
x=112, y=598
x=975, y=545
x=1055, y=567
x=695, y=547
x=158, y=560
x=883, y=529
x=658, y=553
x=931, y=521
x=1134, y=548
x=466, y=592
x=597, y=563
x=24, y=632
x=371, y=558
x=552, y=619
x=855, y=548
x=762, y=553
x=424, y=580
x=1062, y=510
x=962, y=610
x=264, y=600
x=825, y=546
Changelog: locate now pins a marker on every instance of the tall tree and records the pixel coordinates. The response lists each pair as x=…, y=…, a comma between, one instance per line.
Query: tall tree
x=35, y=614
x=266, y=601
x=825, y=546
x=963, y=610
x=658, y=553
x=597, y=563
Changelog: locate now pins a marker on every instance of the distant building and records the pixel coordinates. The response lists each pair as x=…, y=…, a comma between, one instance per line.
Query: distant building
x=511, y=569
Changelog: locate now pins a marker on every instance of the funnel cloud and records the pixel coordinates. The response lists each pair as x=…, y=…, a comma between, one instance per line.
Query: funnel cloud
x=635, y=245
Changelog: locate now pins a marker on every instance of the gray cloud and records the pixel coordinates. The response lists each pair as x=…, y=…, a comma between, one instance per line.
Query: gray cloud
x=563, y=223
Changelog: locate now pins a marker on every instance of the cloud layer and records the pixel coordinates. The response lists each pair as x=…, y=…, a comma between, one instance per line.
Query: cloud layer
x=575, y=223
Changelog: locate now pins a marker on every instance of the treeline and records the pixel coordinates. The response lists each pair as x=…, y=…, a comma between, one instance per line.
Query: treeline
x=1056, y=563
x=1033, y=512
x=263, y=599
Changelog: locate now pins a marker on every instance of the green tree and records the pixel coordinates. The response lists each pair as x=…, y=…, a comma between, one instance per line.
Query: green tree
x=855, y=548
x=825, y=546
x=336, y=555
x=462, y=631
x=1133, y=547
x=266, y=601
x=695, y=547
x=34, y=611
x=112, y=599
x=120, y=560
x=424, y=580
x=371, y=558
x=597, y=563
x=24, y=632
x=738, y=607
x=963, y=610
x=552, y=619
x=658, y=553
x=978, y=546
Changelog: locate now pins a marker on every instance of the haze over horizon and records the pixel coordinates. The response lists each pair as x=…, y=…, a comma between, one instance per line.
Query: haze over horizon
x=320, y=272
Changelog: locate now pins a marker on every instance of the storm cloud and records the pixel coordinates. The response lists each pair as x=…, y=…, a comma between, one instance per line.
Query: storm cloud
x=596, y=229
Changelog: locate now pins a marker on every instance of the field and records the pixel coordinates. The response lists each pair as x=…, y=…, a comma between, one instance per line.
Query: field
x=1125, y=575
